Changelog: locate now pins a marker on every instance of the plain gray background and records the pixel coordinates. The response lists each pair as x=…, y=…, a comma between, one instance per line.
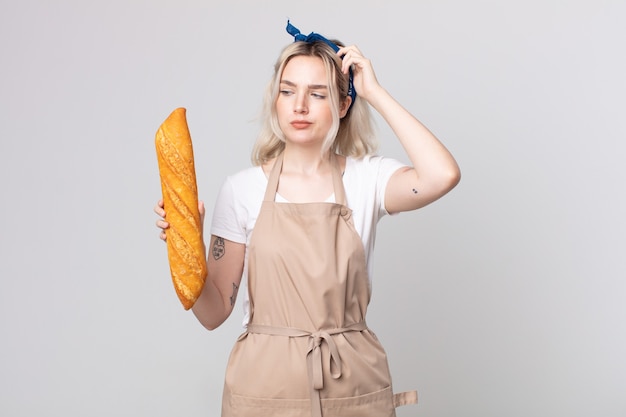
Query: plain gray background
x=505, y=298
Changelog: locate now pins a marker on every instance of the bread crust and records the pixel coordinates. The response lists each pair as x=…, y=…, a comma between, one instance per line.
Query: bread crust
x=185, y=244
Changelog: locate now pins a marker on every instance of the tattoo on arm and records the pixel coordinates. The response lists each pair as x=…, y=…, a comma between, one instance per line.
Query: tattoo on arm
x=414, y=191
x=218, y=248
x=234, y=296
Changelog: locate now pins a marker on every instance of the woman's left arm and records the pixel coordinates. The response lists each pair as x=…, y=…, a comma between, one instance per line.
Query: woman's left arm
x=434, y=171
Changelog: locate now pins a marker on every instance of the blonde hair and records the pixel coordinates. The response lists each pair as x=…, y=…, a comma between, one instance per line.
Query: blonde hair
x=351, y=135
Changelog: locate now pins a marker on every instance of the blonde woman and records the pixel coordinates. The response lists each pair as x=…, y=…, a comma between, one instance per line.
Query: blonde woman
x=296, y=231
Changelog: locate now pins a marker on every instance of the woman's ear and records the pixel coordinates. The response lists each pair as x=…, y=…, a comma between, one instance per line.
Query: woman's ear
x=345, y=105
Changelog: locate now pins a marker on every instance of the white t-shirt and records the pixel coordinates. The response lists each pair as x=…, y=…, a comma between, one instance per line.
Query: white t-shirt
x=239, y=202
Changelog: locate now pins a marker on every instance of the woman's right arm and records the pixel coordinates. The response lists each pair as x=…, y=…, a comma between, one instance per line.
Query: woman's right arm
x=224, y=267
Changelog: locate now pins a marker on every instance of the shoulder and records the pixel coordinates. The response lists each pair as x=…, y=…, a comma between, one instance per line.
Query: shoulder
x=372, y=165
x=242, y=188
x=362, y=163
x=237, y=204
x=366, y=180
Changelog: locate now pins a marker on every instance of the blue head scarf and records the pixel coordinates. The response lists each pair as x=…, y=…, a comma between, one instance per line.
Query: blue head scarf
x=316, y=37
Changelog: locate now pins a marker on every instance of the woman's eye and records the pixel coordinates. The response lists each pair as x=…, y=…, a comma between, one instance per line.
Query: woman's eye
x=318, y=95
x=286, y=92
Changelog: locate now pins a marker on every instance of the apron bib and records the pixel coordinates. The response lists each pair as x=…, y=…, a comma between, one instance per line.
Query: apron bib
x=307, y=351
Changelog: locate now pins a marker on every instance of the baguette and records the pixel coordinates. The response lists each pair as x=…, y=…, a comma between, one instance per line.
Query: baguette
x=185, y=245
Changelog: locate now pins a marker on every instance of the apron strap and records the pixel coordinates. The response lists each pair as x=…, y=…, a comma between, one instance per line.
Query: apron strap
x=272, y=182
x=340, y=194
x=404, y=398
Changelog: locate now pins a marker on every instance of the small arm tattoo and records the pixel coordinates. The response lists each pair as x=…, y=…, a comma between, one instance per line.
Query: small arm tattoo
x=414, y=191
x=218, y=248
x=234, y=296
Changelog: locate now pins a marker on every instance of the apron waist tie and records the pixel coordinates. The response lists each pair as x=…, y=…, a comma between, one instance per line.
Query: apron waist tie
x=314, y=353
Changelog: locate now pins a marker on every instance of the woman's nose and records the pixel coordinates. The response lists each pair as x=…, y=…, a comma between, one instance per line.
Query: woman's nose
x=300, y=105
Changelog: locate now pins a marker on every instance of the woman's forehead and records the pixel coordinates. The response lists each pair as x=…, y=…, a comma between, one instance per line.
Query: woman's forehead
x=305, y=69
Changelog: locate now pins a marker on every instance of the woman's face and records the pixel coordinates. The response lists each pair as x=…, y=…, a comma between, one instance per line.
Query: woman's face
x=303, y=105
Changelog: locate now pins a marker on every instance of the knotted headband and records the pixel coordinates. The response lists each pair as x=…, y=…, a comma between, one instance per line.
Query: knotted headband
x=316, y=37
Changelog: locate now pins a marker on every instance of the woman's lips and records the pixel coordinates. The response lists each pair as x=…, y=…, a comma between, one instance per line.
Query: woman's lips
x=300, y=124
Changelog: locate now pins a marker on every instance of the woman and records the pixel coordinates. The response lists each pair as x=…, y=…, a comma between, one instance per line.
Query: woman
x=300, y=226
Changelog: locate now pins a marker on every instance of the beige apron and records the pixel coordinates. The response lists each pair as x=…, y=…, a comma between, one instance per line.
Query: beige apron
x=307, y=351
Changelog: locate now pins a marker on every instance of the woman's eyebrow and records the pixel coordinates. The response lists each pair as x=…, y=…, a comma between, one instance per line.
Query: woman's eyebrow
x=310, y=86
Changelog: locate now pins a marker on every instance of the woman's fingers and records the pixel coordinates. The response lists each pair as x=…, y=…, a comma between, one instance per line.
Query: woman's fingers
x=158, y=209
x=161, y=223
x=364, y=78
x=351, y=56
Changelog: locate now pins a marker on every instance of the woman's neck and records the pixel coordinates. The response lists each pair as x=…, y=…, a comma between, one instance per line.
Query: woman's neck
x=305, y=161
x=306, y=176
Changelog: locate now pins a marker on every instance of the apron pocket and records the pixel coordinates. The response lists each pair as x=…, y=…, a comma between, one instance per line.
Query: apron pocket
x=375, y=404
x=240, y=406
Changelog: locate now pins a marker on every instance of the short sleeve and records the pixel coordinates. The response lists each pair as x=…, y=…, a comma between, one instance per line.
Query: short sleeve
x=228, y=220
x=386, y=168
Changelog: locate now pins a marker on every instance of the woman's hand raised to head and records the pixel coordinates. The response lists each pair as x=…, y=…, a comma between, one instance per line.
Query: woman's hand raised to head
x=163, y=225
x=365, y=81
x=434, y=171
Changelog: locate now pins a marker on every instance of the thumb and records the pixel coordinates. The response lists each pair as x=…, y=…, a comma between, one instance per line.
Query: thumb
x=202, y=210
